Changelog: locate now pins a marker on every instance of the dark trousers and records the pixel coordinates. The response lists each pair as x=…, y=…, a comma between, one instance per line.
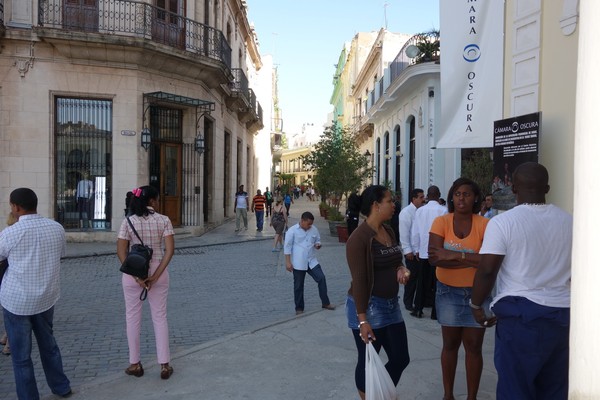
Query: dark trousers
x=424, y=294
x=394, y=341
x=532, y=350
x=317, y=274
x=269, y=208
x=411, y=286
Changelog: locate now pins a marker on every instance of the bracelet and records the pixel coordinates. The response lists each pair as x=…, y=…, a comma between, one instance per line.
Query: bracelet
x=361, y=323
x=474, y=307
x=463, y=256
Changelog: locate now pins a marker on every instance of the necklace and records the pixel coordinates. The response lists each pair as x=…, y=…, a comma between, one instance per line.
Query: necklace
x=533, y=204
x=383, y=237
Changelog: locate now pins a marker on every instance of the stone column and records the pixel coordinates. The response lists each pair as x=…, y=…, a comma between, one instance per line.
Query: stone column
x=585, y=324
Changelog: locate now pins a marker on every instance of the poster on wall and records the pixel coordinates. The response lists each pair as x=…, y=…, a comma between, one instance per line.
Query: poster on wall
x=516, y=140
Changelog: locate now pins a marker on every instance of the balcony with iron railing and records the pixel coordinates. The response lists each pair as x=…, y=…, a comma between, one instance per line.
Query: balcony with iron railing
x=426, y=48
x=239, y=86
x=137, y=20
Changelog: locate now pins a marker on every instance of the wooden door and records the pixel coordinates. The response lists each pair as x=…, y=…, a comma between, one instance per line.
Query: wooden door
x=81, y=15
x=170, y=181
x=168, y=25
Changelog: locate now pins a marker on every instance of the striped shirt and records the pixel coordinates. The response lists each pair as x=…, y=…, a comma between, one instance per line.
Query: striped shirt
x=33, y=247
x=258, y=202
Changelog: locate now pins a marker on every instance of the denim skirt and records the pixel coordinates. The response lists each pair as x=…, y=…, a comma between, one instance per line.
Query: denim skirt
x=452, y=306
x=380, y=312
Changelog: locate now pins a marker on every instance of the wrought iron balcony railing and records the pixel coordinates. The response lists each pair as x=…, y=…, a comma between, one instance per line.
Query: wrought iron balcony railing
x=240, y=83
x=138, y=20
x=428, y=45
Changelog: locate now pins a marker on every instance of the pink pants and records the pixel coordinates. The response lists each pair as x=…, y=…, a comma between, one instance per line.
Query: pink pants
x=157, y=298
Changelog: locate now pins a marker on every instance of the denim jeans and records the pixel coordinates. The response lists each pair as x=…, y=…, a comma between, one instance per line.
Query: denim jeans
x=18, y=329
x=260, y=218
x=317, y=274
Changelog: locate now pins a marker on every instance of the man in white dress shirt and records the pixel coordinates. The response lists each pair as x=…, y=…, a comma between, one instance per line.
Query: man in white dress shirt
x=405, y=222
x=424, y=217
x=30, y=289
x=301, y=241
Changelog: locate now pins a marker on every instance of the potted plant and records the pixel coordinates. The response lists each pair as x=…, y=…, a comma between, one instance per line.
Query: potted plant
x=335, y=219
x=342, y=232
x=323, y=207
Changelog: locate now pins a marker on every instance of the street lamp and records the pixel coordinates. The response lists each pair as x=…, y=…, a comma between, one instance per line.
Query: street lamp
x=146, y=138
x=199, y=144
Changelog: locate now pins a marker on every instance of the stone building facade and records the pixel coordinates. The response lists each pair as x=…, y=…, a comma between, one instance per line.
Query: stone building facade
x=98, y=97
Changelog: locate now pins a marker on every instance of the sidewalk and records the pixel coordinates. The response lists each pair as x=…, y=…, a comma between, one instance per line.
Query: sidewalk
x=307, y=357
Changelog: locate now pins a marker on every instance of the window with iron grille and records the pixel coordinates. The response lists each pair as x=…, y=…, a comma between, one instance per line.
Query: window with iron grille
x=83, y=142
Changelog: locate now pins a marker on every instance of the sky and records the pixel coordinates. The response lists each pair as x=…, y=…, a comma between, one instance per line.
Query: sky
x=305, y=38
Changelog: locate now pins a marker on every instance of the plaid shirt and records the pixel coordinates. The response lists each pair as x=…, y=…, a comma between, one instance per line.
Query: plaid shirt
x=33, y=247
x=152, y=229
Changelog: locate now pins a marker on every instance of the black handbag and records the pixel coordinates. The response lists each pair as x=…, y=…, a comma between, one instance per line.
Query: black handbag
x=137, y=262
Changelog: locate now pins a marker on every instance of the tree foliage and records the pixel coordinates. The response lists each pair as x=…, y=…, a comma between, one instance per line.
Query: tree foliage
x=478, y=166
x=339, y=166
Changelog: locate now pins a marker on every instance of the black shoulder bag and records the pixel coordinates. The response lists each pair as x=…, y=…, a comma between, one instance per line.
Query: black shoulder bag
x=137, y=262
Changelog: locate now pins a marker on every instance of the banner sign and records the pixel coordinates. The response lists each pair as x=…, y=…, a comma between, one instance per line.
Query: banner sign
x=516, y=140
x=472, y=61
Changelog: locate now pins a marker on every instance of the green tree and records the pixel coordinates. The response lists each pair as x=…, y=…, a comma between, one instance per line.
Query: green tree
x=477, y=165
x=339, y=166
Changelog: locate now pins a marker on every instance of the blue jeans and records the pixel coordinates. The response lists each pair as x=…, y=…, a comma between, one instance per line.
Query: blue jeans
x=260, y=218
x=317, y=274
x=532, y=350
x=18, y=329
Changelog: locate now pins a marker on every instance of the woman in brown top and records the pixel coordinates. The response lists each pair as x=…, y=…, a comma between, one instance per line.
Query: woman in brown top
x=372, y=307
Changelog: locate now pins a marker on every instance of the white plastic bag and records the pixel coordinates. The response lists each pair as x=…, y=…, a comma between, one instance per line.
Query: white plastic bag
x=378, y=384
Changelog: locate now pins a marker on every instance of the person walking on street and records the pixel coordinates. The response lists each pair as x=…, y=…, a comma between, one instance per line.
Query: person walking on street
x=241, y=208
x=372, y=307
x=301, y=242
x=30, y=289
x=269, y=204
x=526, y=255
x=424, y=217
x=405, y=222
x=278, y=222
x=155, y=230
x=258, y=208
x=287, y=202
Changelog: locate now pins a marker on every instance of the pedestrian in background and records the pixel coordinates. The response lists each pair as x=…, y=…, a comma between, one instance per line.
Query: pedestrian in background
x=258, y=208
x=269, y=205
x=29, y=291
x=424, y=217
x=526, y=255
x=353, y=213
x=372, y=307
x=278, y=222
x=155, y=230
x=454, y=242
x=241, y=208
x=405, y=222
x=301, y=242
x=287, y=202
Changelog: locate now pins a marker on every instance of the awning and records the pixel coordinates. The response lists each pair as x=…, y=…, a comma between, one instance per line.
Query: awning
x=202, y=105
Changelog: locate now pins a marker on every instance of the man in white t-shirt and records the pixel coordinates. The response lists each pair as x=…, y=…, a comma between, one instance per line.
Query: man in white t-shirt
x=241, y=208
x=526, y=253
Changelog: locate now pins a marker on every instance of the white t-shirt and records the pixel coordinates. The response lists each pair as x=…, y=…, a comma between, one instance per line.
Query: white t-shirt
x=241, y=200
x=421, y=226
x=536, y=244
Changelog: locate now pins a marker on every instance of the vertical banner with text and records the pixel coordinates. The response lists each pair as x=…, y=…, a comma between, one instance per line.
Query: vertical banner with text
x=472, y=61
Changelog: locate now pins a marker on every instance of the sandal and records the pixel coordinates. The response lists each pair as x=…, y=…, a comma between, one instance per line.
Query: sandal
x=135, y=370
x=3, y=339
x=165, y=371
x=6, y=350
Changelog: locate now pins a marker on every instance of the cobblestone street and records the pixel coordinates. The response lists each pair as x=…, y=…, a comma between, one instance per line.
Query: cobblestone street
x=214, y=291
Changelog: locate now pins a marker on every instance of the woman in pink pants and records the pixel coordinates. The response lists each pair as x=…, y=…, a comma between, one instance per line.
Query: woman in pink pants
x=153, y=228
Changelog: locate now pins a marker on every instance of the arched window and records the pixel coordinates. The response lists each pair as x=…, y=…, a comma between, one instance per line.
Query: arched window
x=377, y=160
x=411, y=153
x=398, y=157
x=387, y=156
